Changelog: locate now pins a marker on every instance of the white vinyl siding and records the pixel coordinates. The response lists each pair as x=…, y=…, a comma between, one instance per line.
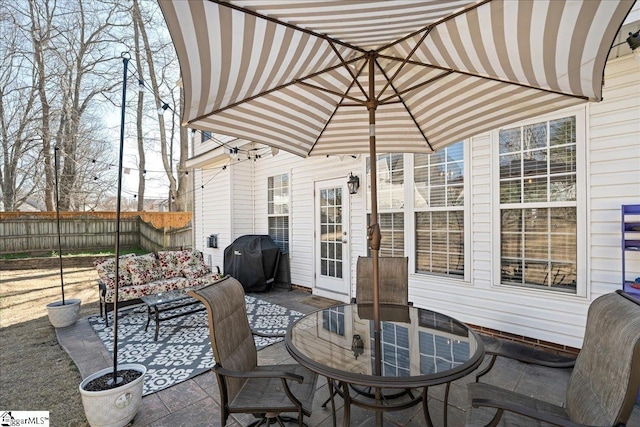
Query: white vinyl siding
x=303, y=173
x=614, y=173
x=607, y=174
x=211, y=184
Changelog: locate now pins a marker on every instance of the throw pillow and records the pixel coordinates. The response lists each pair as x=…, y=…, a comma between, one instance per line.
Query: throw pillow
x=169, y=264
x=106, y=271
x=143, y=269
x=193, y=265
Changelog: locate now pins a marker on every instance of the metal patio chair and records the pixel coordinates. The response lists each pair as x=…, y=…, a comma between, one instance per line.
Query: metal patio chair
x=604, y=383
x=245, y=387
x=394, y=280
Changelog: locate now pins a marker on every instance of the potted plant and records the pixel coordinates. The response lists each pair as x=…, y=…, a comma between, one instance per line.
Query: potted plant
x=112, y=396
x=64, y=312
x=109, y=405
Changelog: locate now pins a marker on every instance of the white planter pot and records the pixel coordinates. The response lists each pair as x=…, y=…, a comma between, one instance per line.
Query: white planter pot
x=115, y=407
x=61, y=315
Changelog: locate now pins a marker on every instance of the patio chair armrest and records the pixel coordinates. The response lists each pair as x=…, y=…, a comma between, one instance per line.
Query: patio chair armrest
x=258, y=374
x=526, y=354
x=505, y=400
x=264, y=335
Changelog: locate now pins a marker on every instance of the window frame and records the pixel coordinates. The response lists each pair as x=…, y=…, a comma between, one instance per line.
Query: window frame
x=464, y=208
x=280, y=215
x=409, y=221
x=580, y=204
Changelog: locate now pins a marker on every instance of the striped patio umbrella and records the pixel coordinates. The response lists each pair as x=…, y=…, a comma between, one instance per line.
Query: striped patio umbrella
x=335, y=77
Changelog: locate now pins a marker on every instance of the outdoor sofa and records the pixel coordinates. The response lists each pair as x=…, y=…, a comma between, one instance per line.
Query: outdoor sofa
x=150, y=274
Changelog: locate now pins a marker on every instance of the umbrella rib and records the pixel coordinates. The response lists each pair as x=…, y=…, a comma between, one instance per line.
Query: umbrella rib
x=353, y=76
x=433, y=24
x=404, y=62
x=360, y=105
x=333, y=92
x=267, y=92
x=335, y=110
x=286, y=24
x=466, y=73
x=409, y=89
x=415, y=122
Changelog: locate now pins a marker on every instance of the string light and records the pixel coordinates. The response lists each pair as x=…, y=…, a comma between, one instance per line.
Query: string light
x=162, y=109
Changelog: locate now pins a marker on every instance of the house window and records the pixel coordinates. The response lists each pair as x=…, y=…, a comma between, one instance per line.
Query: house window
x=333, y=320
x=439, y=353
x=538, y=206
x=394, y=340
x=390, y=172
x=278, y=210
x=439, y=211
x=443, y=350
x=206, y=135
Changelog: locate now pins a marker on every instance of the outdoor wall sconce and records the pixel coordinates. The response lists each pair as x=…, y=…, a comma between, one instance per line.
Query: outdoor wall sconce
x=357, y=346
x=634, y=40
x=634, y=43
x=353, y=183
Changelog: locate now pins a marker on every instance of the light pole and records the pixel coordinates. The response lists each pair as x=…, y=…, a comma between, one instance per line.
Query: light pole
x=55, y=165
x=125, y=60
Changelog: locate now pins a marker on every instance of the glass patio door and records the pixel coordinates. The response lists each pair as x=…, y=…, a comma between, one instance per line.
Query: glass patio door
x=332, y=269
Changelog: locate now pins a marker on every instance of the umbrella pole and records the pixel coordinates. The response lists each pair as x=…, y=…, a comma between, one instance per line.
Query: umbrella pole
x=373, y=231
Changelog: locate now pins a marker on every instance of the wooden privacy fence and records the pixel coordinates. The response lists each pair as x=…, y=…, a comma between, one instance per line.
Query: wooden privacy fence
x=37, y=232
x=154, y=239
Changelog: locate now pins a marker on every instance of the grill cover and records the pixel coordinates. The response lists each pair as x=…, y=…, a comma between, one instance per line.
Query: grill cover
x=253, y=260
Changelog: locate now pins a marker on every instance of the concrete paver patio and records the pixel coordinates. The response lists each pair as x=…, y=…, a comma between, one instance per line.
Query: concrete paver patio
x=195, y=402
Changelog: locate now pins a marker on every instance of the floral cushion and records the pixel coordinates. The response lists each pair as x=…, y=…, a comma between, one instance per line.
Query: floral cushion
x=138, y=291
x=193, y=265
x=106, y=271
x=143, y=269
x=169, y=264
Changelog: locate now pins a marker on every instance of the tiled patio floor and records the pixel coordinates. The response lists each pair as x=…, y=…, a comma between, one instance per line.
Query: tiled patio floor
x=196, y=402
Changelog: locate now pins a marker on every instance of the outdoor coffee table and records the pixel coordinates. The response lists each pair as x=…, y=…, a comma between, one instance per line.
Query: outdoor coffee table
x=166, y=302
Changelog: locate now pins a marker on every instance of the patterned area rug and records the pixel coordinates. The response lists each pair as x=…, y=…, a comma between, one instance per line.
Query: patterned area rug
x=183, y=349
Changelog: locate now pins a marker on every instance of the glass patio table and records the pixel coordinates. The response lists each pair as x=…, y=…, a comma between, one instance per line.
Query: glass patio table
x=413, y=348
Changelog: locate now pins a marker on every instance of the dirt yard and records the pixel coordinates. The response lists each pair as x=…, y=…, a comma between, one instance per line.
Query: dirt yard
x=35, y=372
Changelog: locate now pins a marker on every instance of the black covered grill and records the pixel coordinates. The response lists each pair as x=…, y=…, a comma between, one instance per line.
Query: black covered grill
x=254, y=261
